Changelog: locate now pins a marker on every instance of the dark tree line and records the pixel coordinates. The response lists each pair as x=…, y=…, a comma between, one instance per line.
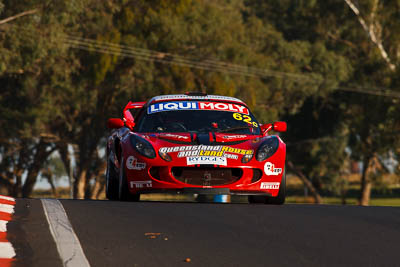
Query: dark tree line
x=66, y=66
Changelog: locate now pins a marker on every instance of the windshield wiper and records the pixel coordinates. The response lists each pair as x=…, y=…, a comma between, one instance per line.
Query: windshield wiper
x=233, y=129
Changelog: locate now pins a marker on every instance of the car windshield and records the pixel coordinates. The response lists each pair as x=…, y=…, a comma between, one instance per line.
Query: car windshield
x=191, y=118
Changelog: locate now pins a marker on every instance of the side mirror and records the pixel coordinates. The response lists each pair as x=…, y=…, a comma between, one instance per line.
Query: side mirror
x=279, y=126
x=115, y=123
x=266, y=127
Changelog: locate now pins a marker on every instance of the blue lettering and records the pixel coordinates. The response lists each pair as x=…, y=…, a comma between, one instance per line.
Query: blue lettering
x=180, y=105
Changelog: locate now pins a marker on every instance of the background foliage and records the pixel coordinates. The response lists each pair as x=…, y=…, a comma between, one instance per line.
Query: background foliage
x=66, y=66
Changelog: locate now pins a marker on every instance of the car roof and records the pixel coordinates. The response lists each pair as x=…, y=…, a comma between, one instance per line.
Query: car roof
x=162, y=98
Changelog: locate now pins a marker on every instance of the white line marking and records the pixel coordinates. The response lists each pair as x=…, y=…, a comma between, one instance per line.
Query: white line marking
x=67, y=242
x=6, y=250
x=7, y=208
x=3, y=226
x=7, y=198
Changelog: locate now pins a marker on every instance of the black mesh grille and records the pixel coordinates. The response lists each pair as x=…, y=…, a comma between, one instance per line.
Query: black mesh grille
x=257, y=173
x=207, y=176
x=155, y=172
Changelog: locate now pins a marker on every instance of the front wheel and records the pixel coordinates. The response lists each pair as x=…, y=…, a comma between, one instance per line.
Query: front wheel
x=123, y=190
x=111, y=182
x=278, y=200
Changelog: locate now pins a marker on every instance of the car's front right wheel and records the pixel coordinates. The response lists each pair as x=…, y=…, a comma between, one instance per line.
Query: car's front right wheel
x=123, y=190
x=111, y=182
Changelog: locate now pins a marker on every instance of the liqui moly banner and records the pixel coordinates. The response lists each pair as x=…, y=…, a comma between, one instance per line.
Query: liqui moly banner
x=193, y=105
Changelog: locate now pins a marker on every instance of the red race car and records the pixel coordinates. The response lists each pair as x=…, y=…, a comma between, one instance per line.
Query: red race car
x=197, y=144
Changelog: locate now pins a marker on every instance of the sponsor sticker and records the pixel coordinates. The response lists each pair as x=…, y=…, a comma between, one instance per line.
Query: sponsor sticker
x=269, y=169
x=141, y=184
x=175, y=136
x=206, y=151
x=206, y=160
x=229, y=137
x=269, y=185
x=194, y=105
x=245, y=118
x=133, y=164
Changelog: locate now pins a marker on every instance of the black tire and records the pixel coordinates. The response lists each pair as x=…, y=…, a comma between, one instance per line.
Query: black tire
x=257, y=199
x=278, y=200
x=123, y=190
x=111, y=182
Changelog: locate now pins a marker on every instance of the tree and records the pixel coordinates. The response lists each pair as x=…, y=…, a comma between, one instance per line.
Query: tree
x=362, y=37
x=66, y=67
x=30, y=46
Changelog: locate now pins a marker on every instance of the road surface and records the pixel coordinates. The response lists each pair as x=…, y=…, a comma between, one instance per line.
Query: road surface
x=112, y=233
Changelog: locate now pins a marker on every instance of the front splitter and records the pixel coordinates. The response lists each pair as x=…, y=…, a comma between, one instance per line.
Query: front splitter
x=204, y=191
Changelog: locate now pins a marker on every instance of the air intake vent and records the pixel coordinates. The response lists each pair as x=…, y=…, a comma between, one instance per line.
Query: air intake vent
x=257, y=173
x=207, y=176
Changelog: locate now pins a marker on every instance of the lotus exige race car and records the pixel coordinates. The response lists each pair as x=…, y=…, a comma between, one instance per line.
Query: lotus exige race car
x=194, y=143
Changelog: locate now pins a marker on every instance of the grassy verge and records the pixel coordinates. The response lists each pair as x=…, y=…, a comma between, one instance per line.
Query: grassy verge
x=394, y=202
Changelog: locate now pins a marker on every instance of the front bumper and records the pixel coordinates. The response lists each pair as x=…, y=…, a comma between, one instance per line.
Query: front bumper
x=203, y=191
x=156, y=175
x=250, y=180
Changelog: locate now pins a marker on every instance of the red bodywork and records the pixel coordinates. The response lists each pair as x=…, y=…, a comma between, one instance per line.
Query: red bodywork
x=146, y=175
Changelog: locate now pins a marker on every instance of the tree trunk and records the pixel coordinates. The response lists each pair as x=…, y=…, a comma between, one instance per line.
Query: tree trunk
x=314, y=192
x=41, y=155
x=99, y=176
x=366, y=185
x=65, y=158
x=88, y=187
x=18, y=183
x=6, y=187
x=19, y=170
x=28, y=12
x=101, y=190
x=372, y=31
x=79, y=185
x=50, y=179
x=98, y=187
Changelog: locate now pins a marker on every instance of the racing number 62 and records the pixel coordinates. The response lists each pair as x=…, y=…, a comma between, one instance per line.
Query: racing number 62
x=244, y=118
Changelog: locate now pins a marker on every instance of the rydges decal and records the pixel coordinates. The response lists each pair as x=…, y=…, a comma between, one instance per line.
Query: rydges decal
x=206, y=160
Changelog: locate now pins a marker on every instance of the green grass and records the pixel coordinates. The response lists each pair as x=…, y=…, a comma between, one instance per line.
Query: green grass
x=385, y=202
x=289, y=200
x=394, y=202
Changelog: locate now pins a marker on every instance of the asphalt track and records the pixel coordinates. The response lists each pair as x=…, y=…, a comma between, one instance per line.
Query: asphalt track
x=210, y=234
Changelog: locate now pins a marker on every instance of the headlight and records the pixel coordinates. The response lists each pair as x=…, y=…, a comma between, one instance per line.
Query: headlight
x=268, y=148
x=142, y=146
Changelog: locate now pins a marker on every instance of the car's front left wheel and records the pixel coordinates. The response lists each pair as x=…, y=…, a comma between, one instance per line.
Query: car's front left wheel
x=278, y=200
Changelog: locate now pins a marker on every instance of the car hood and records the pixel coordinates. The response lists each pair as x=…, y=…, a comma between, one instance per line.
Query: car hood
x=210, y=138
